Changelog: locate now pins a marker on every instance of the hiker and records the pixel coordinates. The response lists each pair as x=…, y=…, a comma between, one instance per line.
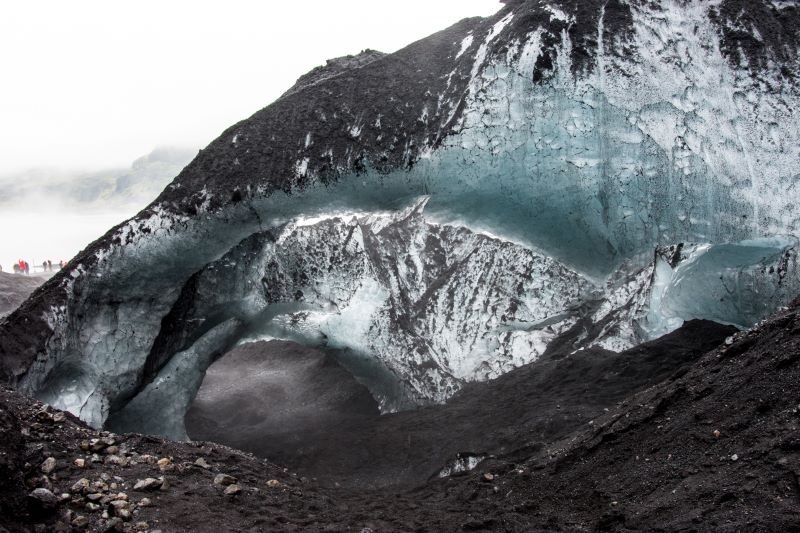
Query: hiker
x=16, y=268
x=27, y=268
x=49, y=265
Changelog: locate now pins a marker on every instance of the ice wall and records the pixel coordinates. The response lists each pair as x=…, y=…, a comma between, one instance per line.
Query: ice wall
x=669, y=143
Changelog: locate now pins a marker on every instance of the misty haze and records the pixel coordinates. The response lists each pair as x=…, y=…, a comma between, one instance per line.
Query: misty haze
x=46, y=214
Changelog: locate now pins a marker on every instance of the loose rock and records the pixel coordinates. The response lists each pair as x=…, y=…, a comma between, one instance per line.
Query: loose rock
x=80, y=486
x=48, y=465
x=44, y=498
x=148, y=484
x=80, y=521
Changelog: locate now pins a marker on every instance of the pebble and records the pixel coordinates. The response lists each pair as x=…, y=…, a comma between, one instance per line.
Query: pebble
x=97, y=445
x=488, y=477
x=273, y=483
x=165, y=465
x=80, y=521
x=717, y=433
x=120, y=504
x=232, y=490
x=116, y=460
x=148, y=484
x=48, y=465
x=80, y=463
x=224, y=479
x=734, y=457
x=144, y=502
x=142, y=525
x=202, y=463
x=82, y=485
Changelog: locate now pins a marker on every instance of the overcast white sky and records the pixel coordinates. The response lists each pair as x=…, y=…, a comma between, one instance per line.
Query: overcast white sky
x=87, y=84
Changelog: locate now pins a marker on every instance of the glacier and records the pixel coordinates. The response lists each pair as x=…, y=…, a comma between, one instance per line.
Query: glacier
x=540, y=205
x=435, y=306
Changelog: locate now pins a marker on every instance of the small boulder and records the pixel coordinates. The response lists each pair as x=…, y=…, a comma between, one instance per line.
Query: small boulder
x=202, y=463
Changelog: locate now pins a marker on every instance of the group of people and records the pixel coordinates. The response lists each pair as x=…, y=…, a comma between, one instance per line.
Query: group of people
x=23, y=267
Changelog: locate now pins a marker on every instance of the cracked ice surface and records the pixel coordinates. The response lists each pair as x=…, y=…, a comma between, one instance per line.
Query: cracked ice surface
x=670, y=144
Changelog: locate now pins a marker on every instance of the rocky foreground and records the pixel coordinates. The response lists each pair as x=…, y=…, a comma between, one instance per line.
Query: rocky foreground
x=715, y=446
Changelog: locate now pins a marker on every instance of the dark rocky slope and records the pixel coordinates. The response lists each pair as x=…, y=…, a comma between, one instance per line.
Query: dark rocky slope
x=713, y=447
x=532, y=406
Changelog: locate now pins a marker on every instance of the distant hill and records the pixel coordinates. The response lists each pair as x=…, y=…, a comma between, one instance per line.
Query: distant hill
x=137, y=185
